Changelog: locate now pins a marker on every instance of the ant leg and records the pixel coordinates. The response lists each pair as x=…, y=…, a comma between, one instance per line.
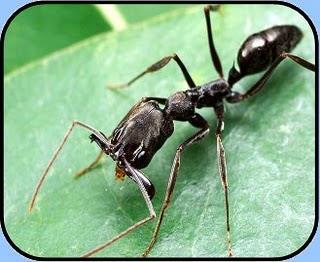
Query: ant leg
x=235, y=97
x=91, y=166
x=214, y=55
x=66, y=136
x=157, y=66
x=197, y=121
x=222, y=166
x=136, y=176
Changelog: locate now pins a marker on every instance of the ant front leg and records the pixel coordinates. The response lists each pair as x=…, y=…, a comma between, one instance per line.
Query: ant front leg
x=236, y=97
x=196, y=121
x=156, y=67
x=137, y=177
x=222, y=166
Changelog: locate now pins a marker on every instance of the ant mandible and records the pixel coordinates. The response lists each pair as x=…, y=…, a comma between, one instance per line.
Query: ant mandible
x=146, y=127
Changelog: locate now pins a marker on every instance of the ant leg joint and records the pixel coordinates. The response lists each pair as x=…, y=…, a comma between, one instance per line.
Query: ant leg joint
x=206, y=8
x=210, y=7
x=181, y=147
x=76, y=122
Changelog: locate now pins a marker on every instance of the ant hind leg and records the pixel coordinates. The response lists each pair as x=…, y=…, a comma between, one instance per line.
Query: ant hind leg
x=213, y=52
x=236, y=97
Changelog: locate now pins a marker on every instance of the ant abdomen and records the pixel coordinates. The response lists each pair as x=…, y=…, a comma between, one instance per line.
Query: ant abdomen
x=259, y=50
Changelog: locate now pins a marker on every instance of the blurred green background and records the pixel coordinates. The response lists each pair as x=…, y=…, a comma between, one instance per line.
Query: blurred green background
x=43, y=29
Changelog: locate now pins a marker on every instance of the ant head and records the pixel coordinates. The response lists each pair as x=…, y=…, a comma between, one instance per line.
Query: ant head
x=121, y=167
x=102, y=143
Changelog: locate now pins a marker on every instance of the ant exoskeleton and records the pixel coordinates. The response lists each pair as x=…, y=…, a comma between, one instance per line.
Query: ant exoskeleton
x=146, y=127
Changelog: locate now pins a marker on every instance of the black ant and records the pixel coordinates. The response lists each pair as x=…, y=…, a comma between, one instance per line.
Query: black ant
x=146, y=127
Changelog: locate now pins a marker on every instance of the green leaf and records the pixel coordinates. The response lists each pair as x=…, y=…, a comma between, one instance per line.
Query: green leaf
x=269, y=142
x=141, y=12
x=42, y=29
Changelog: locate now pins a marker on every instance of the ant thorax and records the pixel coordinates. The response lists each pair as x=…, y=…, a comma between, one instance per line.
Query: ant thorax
x=209, y=94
